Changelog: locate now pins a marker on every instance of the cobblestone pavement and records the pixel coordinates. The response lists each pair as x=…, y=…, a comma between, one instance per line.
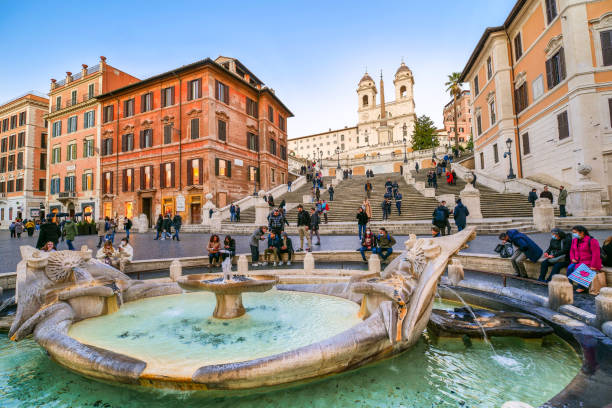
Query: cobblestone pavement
x=194, y=244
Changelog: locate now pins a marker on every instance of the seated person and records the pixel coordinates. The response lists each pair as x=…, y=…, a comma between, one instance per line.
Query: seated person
x=385, y=243
x=368, y=243
x=272, y=248
x=214, y=246
x=229, y=247
x=557, y=254
x=606, y=252
x=285, y=247
x=125, y=253
x=107, y=253
x=435, y=232
x=526, y=248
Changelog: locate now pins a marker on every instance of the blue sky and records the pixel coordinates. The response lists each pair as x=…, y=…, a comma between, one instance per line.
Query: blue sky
x=312, y=53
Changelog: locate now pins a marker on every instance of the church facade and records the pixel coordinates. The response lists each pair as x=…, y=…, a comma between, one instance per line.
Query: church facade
x=381, y=124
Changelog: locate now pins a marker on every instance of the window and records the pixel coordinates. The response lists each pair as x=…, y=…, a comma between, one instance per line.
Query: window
x=146, y=102
x=146, y=177
x=492, y=112
x=166, y=176
x=252, y=108
x=87, y=182
x=21, y=139
x=495, y=153
x=478, y=124
x=476, y=90
x=364, y=100
x=222, y=129
x=521, y=100
x=273, y=146
x=168, y=134
x=252, y=142
x=128, y=108
x=13, y=121
x=194, y=172
x=482, y=160
x=72, y=124
x=20, y=161
x=526, y=148
x=3, y=164
x=107, y=146
x=88, y=148
x=19, y=184
x=563, y=125
x=606, y=46
x=167, y=95
x=146, y=138
x=89, y=119
x=73, y=97
x=10, y=187
x=194, y=89
x=402, y=91
x=12, y=142
x=56, y=155
x=43, y=161
x=555, y=69
x=90, y=91
x=221, y=92
x=69, y=183
x=489, y=68
x=5, y=125
x=518, y=47
x=42, y=185
x=108, y=113
x=281, y=122
x=2, y=190
x=127, y=142
x=56, y=129
x=58, y=103
x=273, y=175
x=22, y=118
x=537, y=87
x=270, y=113
x=43, y=140
x=55, y=185
x=283, y=152
x=551, y=10
x=253, y=174
x=195, y=128
x=107, y=182
x=223, y=167
x=4, y=147
x=71, y=152
x=128, y=180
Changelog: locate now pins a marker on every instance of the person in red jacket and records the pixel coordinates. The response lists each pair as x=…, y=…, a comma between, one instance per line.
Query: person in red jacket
x=584, y=250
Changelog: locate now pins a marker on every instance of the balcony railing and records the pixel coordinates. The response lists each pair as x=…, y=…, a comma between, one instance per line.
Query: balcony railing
x=70, y=102
x=66, y=194
x=78, y=75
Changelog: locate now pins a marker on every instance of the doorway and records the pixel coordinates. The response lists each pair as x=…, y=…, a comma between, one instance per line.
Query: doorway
x=196, y=209
x=147, y=204
x=71, y=210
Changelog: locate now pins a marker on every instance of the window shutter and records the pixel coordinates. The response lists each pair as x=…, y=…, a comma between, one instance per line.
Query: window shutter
x=218, y=96
x=549, y=74
x=172, y=174
x=226, y=94
x=229, y=168
x=84, y=182
x=152, y=169
x=124, y=177
x=162, y=179
x=172, y=96
x=142, y=178
x=563, y=125
x=142, y=103
x=199, y=88
x=216, y=167
x=189, y=90
x=257, y=174
x=112, y=182
x=142, y=143
x=606, y=47
x=562, y=74
x=200, y=172
x=189, y=172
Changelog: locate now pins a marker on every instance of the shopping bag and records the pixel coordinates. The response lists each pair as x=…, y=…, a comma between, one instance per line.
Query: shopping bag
x=583, y=275
x=598, y=282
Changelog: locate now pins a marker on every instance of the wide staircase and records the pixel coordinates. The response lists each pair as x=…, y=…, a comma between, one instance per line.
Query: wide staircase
x=492, y=203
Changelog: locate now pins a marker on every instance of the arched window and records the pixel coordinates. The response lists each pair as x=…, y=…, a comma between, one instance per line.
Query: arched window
x=365, y=100
x=403, y=91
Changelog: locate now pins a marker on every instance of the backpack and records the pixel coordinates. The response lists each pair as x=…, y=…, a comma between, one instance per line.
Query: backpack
x=439, y=215
x=505, y=250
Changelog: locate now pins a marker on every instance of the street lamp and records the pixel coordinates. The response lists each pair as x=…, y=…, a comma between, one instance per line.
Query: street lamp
x=338, y=153
x=405, y=129
x=508, y=154
x=320, y=158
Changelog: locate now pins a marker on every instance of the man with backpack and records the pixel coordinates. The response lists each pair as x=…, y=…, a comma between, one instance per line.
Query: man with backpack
x=385, y=242
x=127, y=226
x=526, y=248
x=440, y=217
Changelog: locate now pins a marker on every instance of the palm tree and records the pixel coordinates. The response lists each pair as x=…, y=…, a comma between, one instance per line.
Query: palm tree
x=453, y=86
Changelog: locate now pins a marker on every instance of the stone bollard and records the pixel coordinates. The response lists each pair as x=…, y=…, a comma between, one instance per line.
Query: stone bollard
x=603, y=306
x=309, y=263
x=455, y=272
x=560, y=292
x=470, y=197
x=176, y=270
x=543, y=215
x=243, y=265
x=374, y=264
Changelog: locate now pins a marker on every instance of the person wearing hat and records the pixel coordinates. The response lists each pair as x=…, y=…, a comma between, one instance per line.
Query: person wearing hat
x=557, y=254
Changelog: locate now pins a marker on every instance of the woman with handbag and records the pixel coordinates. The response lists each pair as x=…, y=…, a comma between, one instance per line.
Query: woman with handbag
x=584, y=250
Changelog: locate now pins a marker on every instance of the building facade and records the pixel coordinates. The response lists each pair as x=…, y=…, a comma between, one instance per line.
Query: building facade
x=542, y=87
x=464, y=119
x=74, y=123
x=170, y=140
x=380, y=125
x=23, y=157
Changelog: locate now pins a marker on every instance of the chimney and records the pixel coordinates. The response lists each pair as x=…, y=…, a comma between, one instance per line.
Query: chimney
x=53, y=83
x=102, y=63
x=68, y=77
x=84, y=70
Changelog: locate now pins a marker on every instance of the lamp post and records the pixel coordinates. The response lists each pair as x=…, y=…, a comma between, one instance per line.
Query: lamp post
x=405, y=130
x=338, y=153
x=321, y=159
x=508, y=154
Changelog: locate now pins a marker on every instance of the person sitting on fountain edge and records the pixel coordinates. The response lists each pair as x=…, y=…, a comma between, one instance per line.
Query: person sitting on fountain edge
x=285, y=247
x=214, y=246
x=368, y=243
x=258, y=235
x=557, y=254
x=229, y=248
x=272, y=249
x=435, y=231
x=526, y=248
x=385, y=243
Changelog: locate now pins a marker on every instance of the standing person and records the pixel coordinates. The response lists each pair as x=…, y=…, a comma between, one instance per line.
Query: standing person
x=325, y=209
x=272, y=249
x=362, y=221
x=584, y=250
x=449, y=178
x=367, y=208
x=167, y=227
x=285, y=247
x=318, y=194
x=177, y=221
x=101, y=227
x=562, y=201
x=12, y=230
x=368, y=243
x=454, y=174
x=331, y=192
x=127, y=226
x=429, y=179
x=388, y=186
x=70, y=232
x=460, y=214
x=49, y=231
x=315, y=220
x=19, y=229
x=532, y=197
x=303, y=222
x=385, y=242
x=526, y=248
x=271, y=201
x=386, y=208
x=276, y=221
x=546, y=194
x=159, y=227
x=232, y=211
x=229, y=248
x=474, y=180
x=258, y=235
x=394, y=188
x=237, y=213
x=30, y=226
x=112, y=229
x=214, y=248
x=368, y=189
x=398, y=202
x=289, y=185
x=351, y=173
x=434, y=179
x=557, y=254
x=440, y=217
x=416, y=167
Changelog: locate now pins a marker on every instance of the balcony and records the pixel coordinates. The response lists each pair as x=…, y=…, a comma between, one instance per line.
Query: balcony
x=66, y=195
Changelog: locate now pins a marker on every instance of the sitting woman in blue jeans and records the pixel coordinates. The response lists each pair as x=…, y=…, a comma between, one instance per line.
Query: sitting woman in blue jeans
x=585, y=250
x=368, y=243
x=557, y=254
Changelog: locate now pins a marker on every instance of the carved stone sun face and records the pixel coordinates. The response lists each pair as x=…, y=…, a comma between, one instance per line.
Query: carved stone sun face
x=60, y=264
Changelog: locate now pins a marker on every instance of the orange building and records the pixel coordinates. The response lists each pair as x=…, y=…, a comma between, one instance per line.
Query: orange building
x=207, y=127
x=23, y=150
x=464, y=119
x=542, y=87
x=74, y=127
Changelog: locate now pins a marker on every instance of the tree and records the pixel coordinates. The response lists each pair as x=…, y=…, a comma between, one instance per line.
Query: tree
x=453, y=86
x=425, y=134
x=470, y=143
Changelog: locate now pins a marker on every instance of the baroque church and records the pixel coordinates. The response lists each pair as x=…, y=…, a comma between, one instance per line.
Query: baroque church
x=380, y=123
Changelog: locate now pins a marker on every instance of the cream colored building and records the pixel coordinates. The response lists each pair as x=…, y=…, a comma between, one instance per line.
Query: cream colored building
x=381, y=126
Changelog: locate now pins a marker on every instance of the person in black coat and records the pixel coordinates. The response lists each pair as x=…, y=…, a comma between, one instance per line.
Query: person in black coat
x=49, y=232
x=557, y=254
x=229, y=248
x=532, y=197
x=460, y=214
x=440, y=216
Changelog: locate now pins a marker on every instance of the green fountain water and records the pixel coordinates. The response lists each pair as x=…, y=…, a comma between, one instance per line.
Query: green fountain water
x=442, y=374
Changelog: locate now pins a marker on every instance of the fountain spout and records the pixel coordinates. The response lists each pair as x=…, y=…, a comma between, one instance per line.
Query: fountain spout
x=226, y=265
